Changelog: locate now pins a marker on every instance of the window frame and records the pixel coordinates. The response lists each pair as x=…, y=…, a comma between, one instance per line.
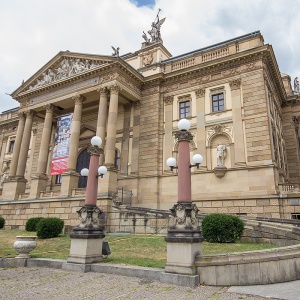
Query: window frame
x=215, y=92
x=181, y=100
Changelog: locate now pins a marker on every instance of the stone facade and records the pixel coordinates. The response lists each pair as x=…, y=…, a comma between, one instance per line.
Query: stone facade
x=232, y=93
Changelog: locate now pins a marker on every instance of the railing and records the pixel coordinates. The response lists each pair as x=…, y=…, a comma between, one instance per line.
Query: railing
x=215, y=54
x=288, y=187
x=124, y=197
x=183, y=64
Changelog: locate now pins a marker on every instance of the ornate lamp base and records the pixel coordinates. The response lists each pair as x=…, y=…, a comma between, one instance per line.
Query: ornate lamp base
x=87, y=237
x=184, y=240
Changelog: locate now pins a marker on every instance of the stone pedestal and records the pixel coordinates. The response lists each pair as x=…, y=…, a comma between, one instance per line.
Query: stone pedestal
x=220, y=171
x=13, y=187
x=184, y=240
x=38, y=184
x=87, y=237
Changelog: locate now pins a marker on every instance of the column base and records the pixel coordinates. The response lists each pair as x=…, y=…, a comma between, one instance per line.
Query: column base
x=38, y=184
x=87, y=237
x=184, y=240
x=69, y=182
x=13, y=187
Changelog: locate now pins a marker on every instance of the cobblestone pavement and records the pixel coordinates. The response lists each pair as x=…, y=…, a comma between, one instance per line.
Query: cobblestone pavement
x=43, y=283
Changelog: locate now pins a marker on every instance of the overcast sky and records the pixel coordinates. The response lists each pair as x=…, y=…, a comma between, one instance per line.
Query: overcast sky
x=32, y=32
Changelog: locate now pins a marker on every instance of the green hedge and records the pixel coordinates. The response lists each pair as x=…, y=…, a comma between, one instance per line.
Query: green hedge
x=31, y=223
x=2, y=222
x=221, y=228
x=49, y=228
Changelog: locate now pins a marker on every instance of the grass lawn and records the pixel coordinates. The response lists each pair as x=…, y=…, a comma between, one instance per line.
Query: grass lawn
x=139, y=250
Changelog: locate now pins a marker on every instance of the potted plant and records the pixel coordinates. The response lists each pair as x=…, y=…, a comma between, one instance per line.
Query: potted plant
x=24, y=244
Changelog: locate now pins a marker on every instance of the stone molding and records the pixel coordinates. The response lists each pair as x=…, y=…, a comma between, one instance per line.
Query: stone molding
x=200, y=93
x=168, y=100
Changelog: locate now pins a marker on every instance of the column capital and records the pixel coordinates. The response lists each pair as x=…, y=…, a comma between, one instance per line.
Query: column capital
x=168, y=100
x=95, y=150
x=78, y=99
x=21, y=115
x=102, y=91
x=49, y=108
x=235, y=84
x=183, y=136
x=200, y=93
x=115, y=88
x=29, y=113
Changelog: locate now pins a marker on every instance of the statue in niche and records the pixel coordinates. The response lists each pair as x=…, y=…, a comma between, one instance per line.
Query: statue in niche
x=221, y=154
x=296, y=85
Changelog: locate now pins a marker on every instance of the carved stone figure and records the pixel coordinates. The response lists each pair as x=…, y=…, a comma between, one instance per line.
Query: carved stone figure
x=155, y=30
x=221, y=154
x=5, y=172
x=296, y=85
x=116, y=51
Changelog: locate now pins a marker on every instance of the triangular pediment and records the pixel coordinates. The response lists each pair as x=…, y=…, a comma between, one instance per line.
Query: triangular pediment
x=63, y=66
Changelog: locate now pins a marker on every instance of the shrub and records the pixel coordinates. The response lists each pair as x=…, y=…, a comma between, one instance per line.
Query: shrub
x=221, y=228
x=49, y=227
x=31, y=223
x=2, y=222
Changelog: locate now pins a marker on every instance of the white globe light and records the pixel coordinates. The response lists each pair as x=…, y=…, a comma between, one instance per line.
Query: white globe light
x=102, y=170
x=84, y=172
x=96, y=141
x=184, y=125
x=197, y=159
x=171, y=162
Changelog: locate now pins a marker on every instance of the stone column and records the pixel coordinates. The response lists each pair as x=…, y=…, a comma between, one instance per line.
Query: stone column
x=102, y=118
x=135, y=138
x=125, y=139
x=112, y=126
x=169, y=142
x=70, y=178
x=201, y=133
x=39, y=180
x=17, y=146
x=25, y=144
x=238, y=131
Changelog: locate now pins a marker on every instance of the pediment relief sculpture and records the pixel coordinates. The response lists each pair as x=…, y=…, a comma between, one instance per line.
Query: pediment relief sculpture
x=66, y=68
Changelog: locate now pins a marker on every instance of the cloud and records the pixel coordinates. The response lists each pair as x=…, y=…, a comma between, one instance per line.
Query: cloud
x=34, y=31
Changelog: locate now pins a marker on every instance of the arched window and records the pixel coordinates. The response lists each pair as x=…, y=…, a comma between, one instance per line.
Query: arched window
x=117, y=159
x=83, y=161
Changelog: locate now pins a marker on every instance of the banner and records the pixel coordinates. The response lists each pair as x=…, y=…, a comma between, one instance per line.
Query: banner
x=61, y=145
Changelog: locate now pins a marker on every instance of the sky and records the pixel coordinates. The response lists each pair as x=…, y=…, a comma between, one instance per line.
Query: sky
x=32, y=32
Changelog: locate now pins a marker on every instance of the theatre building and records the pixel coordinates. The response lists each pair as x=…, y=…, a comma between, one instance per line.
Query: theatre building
x=244, y=116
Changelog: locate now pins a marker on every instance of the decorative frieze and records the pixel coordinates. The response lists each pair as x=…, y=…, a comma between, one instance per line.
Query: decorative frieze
x=147, y=58
x=200, y=80
x=218, y=130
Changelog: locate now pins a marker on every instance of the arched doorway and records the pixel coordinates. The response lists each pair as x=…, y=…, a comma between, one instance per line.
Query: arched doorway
x=83, y=161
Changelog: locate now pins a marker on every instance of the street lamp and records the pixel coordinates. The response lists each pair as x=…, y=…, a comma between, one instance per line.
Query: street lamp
x=184, y=238
x=87, y=236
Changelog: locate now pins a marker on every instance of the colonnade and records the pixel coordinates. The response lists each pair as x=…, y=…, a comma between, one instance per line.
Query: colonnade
x=16, y=183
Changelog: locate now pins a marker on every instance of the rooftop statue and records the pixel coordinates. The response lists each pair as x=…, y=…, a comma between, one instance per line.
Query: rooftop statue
x=155, y=30
x=116, y=51
x=296, y=85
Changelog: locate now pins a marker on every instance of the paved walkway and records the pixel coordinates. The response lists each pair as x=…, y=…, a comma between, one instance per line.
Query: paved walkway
x=43, y=283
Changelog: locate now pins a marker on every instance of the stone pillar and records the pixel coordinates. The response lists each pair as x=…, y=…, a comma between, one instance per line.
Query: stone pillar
x=238, y=130
x=125, y=140
x=112, y=126
x=135, y=138
x=17, y=146
x=102, y=118
x=201, y=133
x=169, y=142
x=39, y=180
x=25, y=145
x=184, y=239
x=70, y=178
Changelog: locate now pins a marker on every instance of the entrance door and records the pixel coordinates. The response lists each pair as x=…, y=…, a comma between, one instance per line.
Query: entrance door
x=83, y=161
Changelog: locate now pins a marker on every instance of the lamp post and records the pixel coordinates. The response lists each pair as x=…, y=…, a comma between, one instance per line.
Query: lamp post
x=87, y=236
x=184, y=239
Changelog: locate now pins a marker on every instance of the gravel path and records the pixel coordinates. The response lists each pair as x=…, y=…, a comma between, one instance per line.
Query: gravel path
x=43, y=283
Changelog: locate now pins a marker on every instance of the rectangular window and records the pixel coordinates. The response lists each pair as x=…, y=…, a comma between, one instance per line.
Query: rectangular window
x=11, y=146
x=184, y=109
x=218, y=102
